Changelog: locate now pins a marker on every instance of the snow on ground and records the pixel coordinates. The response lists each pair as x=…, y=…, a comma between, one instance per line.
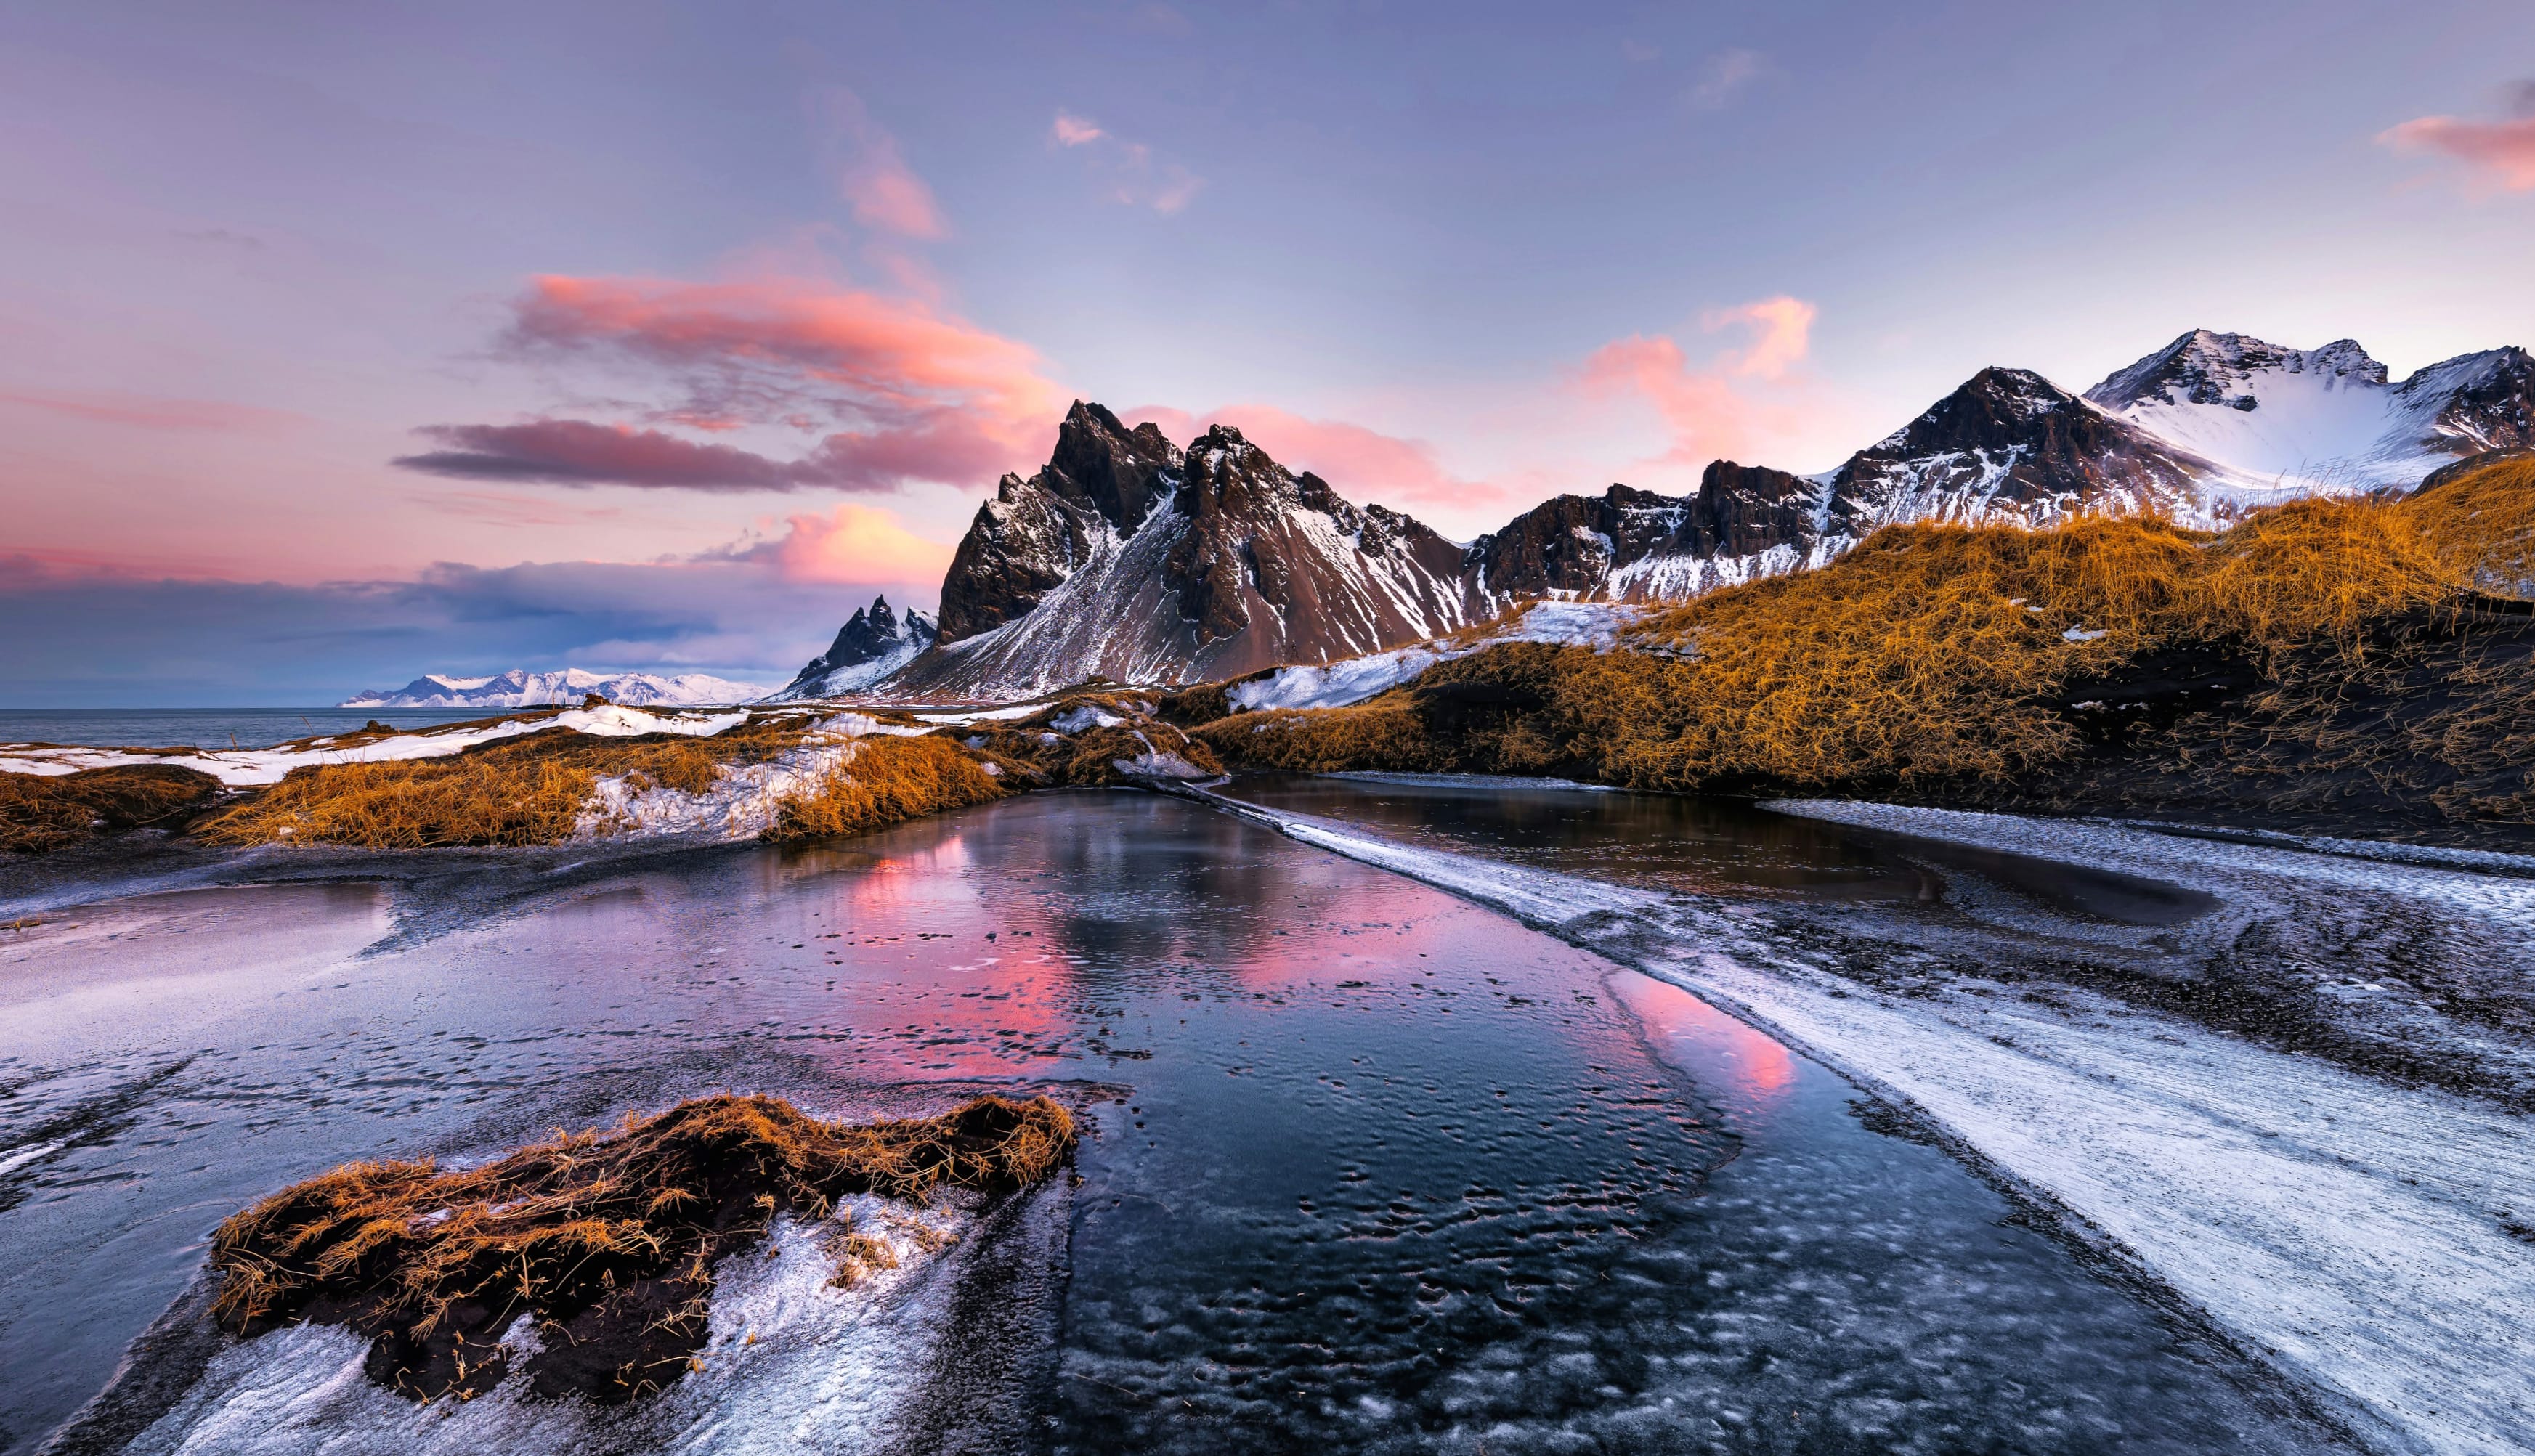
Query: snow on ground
x=1594, y=625
x=790, y=1365
x=2366, y=1238
x=744, y=802
x=256, y=767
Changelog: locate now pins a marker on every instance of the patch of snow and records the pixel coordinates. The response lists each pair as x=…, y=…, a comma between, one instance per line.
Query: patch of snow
x=1567, y=624
x=1084, y=715
x=2082, y=635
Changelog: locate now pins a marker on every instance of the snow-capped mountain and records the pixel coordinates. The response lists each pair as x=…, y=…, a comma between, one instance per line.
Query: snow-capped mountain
x=521, y=689
x=1130, y=558
x=2303, y=420
x=874, y=642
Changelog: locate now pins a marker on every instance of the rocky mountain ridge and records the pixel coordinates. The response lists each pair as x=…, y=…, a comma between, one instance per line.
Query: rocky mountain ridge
x=1129, y=557
x=873, y=643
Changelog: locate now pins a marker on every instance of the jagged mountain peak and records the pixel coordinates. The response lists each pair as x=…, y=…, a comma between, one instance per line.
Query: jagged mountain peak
x=874, y=642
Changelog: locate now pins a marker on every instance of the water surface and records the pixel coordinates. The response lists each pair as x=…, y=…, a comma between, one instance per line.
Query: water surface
x=1368, y=1167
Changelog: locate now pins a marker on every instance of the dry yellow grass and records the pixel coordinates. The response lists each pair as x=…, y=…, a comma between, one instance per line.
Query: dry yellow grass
x=608, y=1239
x=2481, y=524
x=1929, y=653
x=44, y=811
x=887, y=781
x=524, y=790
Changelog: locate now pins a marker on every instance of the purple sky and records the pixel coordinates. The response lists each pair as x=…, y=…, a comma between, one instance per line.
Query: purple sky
x=342, y=344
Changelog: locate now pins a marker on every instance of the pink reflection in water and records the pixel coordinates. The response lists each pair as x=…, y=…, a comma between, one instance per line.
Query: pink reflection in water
x=1690, y=1033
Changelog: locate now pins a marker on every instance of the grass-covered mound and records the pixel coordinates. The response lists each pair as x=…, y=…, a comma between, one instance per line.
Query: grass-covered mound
x=42, y=813
x=541, y=788
x=1994, y=662
x=608, y=1239
x=888, y=781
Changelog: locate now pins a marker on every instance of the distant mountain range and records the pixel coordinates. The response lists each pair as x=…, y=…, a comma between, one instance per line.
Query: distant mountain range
x=1130, y=558
x=520, y=689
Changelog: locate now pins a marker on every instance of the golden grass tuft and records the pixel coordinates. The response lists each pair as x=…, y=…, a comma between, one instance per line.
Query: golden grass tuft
x=40, y=812
x=2480, y=524
x=608, y=1239
x=887, y=781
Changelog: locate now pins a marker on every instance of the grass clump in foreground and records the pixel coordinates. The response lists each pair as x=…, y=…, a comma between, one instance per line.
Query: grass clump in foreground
x=40, y=812
x=1945, y=654
x=608, y=1239
x=889, y=780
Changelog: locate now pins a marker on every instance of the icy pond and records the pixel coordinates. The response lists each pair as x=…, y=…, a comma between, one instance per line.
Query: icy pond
x=1402, y=1133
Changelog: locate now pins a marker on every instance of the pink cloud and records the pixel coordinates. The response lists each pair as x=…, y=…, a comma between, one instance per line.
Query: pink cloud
x=2501, y=152
x=1361, y=463
x=155, y=411
x=1074, y=131
x=884, y=192
x=856, y=545
x=1707, y=413
x=1783, y=333
x=907, y=391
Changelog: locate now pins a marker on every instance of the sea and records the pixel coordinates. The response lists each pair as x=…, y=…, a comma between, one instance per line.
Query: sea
x=210, y=727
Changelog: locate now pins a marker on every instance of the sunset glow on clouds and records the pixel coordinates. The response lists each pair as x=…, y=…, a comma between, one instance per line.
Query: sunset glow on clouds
x=2500, y=153
x=725, y=325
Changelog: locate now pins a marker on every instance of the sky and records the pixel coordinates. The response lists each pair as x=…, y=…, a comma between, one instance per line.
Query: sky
x=342, y=344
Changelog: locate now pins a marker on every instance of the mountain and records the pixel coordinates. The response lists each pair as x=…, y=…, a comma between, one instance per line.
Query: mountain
x=874, y=642
x=1128, y=558
x=2301, y=420
x=521, y=689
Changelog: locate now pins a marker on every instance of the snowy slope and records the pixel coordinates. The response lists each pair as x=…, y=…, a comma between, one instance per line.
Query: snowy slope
x=2298, y=421
x=874, y=642
x=519, y=688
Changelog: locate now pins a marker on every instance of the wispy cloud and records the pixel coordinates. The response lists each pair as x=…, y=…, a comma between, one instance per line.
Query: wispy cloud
x=1128, y=173
x=885, y=193
x=2498, y=154
x=1724, y=76
x=153, y=411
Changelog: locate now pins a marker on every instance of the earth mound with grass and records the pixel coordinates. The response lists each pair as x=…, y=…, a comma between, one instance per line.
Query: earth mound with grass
x=606, y=1240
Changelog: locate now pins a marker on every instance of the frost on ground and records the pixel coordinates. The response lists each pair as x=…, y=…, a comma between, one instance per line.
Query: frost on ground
x=2371, y=1235
x=239, y=769
x=1594, y=625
